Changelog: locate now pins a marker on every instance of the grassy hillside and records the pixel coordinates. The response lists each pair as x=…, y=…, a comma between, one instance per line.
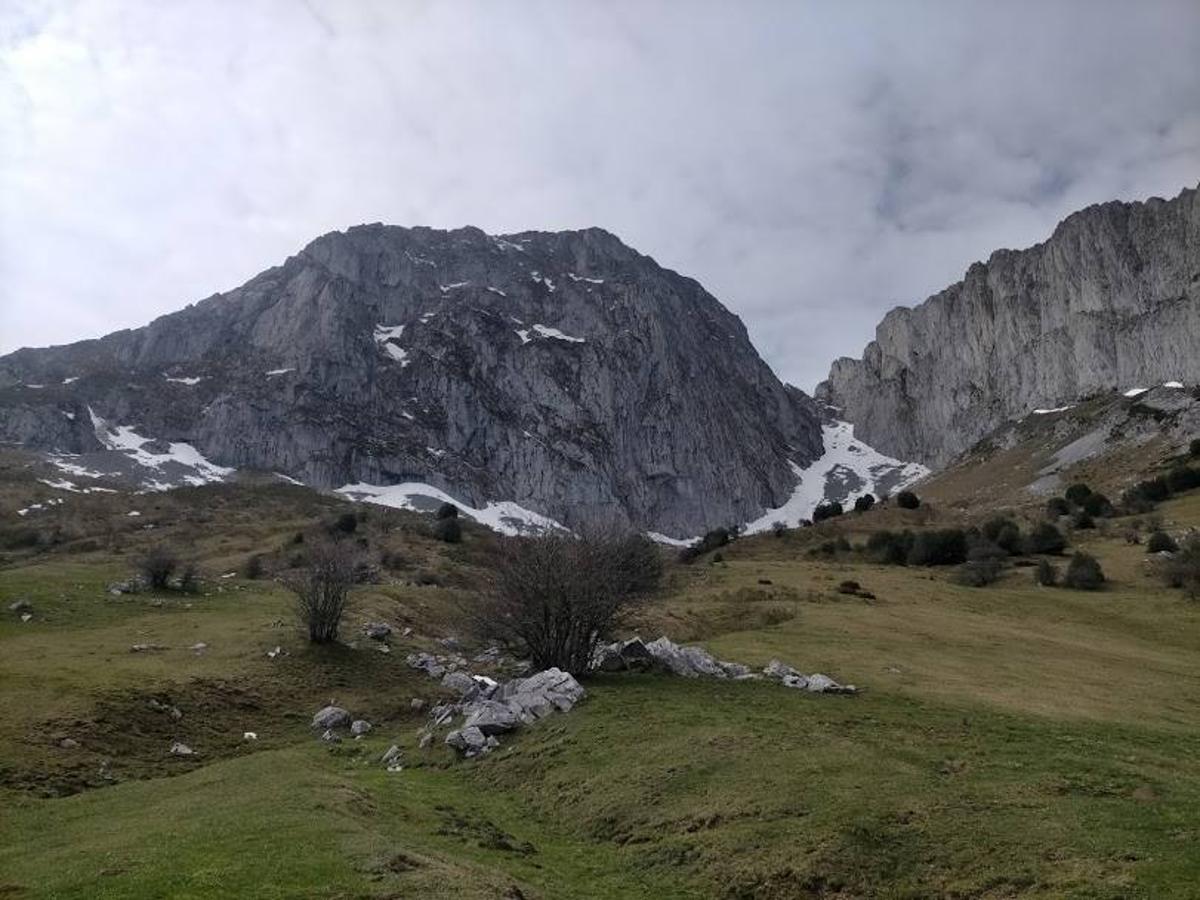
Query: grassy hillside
x=1010, y=741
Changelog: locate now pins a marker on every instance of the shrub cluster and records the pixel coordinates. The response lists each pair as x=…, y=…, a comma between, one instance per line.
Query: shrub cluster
x=1083, y=573
x=828, y=510
x=1143, y=496
x=907, y=500
x=864, y=503
x=1081, y=502
x=1161, y=542
x=718, y=537
x=1182, y=570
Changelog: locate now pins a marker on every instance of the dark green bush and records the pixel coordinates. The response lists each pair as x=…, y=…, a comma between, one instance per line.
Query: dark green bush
x=829, y=510
x=940, y=547
x=1077, y=493
x=447, y=511
x=865, y=502
x=1182, y=570
x=1083, y=521
x=1183, y=478
x=1045, y=574
x=448, y=530
x=1194, y=447
x=907, y=500
x=1058, y=506
x=1161, y=542
x=979, y=572
x=718, y=537
x=1045, y=538
x=1152, y=490
x=1004, y=533
x=889, y=547
x=346, y=523
x=1083, y=573
x=1096, y=505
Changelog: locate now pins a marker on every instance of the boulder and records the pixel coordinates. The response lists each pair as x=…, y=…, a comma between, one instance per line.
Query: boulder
x=331, y=737
x=416, y=704
x=690, y=662
x=359, y=726
x=540, y=694
x=468, y=741
x=460, y=683
x=377, y=631
x=180, y=749
x=491, y=717
x=331, y=717
x=630, y=655
x=426, y=663
x=391, y=757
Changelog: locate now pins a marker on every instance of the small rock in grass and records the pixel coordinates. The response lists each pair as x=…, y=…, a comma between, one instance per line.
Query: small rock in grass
x=391, y=756
x=249, y=735
x=69, y=744
x=26, y=617
x=20, y=606
x=331, y=737
x=416, y=704
x=181, y=749
x=331, y=717
x=377, y=631
x=199, y=647
x=360, y=727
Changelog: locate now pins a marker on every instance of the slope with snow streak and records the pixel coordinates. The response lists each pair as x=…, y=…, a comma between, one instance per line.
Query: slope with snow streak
x=503, y=516
x=846, y=470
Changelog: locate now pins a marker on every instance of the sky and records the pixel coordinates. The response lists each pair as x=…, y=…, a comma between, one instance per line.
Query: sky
x=813, y=164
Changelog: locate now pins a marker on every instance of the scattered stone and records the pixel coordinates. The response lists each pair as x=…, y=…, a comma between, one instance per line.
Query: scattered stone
x=416, y=704
x=26, y=617
x=391, y=757
x=426, y=739
x=406, y=632
x=146, y=648
x=377, y=631
x=331, y=717
x=180, y=749
x=20, y=606
x=442, y=714
x=815, y=683
x=359, y=727
x=69, y=744
x=538, y=695
x=450, y=643
x=331, y=737
x=426, y=663
x=459, y=682
x=468, y=741
x=249, y=736
x=198, y=647
x=491, y=717
x=278, y=651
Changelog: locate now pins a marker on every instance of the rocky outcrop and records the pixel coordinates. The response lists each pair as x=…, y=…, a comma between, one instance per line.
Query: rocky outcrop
x=1111, y=301
x=561, y=371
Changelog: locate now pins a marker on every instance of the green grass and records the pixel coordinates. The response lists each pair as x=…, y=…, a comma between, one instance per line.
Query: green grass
x=1010, y=741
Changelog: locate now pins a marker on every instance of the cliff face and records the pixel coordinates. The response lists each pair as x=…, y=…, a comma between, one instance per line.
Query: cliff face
x=562, y=371
x=1110, y=301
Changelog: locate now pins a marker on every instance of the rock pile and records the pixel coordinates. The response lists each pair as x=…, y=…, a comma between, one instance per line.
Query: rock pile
x=664, y=655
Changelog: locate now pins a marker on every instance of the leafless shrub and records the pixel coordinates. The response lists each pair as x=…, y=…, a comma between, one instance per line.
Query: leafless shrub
x=555, y=598
x=157, y=565
x=322, y=588
x=1182, y=570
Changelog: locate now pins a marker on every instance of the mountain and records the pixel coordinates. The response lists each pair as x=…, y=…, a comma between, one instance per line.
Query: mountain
x=528, y=377
x=1111, y=302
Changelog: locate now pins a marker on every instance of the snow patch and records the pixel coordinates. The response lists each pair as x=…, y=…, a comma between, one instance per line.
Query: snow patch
x=70, y=380
x=575, y=277
x=523, y=334
x=1175, y=385
x=538, y=278
x=504, y=516
x=1056, y=409
x=188, y=381
x=548, y=332
x=496, y=290
x=845, y=462
x=669, y=541
x=1135, y=392
x=447, y=288
x=123, y=439
x=274, y=372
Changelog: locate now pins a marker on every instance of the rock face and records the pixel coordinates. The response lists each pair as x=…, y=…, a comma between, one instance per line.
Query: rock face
x=1110, y=302
x=563, y=372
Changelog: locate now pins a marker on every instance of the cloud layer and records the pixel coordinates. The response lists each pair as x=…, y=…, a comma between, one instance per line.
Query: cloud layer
x=811, y=164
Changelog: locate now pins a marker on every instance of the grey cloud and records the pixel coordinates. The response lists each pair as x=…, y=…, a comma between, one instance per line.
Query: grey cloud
x=811, y=164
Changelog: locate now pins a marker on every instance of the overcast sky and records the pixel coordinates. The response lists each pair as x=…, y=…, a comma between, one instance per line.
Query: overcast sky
x=812, y=164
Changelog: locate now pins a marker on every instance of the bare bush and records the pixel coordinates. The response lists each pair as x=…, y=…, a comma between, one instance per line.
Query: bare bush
x=555, y=598
x=322, y=588
x=1182, y=570
x=157, y=565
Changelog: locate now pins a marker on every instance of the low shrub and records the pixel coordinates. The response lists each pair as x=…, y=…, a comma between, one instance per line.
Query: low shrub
x=1083, y=521
x=864, y=503
x=718, y=537
x=447, y=511
x=1004, y=533
x=979, y=572
x=253, y=569
x=1194, y=447
x=1077, y=493
x=889, y=547
x=157, y=565
x=1083, y=573
x=829, y=510
x=1182, y=570
x=1161, y=542
x=1182, y=479
x=1045, y=574
x=1058, y=506
x=1097, y=505
x=939, y=547
x=907, y=500
x=448, y=530
x=1045, y=538
x=346, y=523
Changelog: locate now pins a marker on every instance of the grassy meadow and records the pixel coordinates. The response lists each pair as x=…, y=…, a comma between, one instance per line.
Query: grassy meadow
x=1009, y=741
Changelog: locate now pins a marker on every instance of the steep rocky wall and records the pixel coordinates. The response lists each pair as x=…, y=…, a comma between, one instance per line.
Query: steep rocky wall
x=1111, y=301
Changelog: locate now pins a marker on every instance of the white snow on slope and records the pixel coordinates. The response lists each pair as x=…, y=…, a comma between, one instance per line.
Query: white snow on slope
x=667, y=540
x=547, y=331
x=575, y=277
x=70, y=380
x=1176, y=385
x=540, y=279
x=523, y=334
x=124, y=440
x=1135, y=392
x=447, y=288
x=504, y=516
x=188, y=381
x=496, y=290
x=274, y=372
x=1056, y=409
x=845, y=460
x=385, y=335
